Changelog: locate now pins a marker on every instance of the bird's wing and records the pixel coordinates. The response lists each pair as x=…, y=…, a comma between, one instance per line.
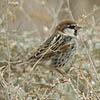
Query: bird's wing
x=56, y=43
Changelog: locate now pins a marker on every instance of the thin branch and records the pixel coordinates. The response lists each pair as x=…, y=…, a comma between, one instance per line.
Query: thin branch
x=55, y=17
x=74, y=89
x=69, y=9
x=90, y=58
x=89, y=15
x=8, y=50
x=87, y=50
x=89, y=84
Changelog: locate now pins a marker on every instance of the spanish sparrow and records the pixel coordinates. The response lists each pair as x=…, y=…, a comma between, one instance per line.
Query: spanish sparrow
x=60, y=47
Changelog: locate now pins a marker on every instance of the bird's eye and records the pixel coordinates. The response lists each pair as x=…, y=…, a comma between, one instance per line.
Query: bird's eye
x=72, y=26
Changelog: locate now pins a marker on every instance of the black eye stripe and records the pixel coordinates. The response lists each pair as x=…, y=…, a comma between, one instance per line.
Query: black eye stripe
x=72, y=26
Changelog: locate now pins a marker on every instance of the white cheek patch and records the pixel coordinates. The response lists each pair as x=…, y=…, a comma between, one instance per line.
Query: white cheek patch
x=69, y=32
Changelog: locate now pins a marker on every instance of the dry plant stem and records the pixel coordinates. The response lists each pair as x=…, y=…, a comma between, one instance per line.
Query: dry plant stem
x=37, y=94
x=4, y=85
x=44, y=96
x=90, y=58
x=89, y=15
x=68, y=2
x=78, y=95
x=78, y=80
x=87, y=80
x=61, y=72
x=2, y=81
x=55, y=17
x=8, y=51
x=2, y=68
x=54, y=87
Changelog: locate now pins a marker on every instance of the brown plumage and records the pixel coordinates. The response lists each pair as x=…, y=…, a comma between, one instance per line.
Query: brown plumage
x=60, y=47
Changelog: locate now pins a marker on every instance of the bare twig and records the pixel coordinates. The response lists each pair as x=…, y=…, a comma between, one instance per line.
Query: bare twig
x=69, y=8
x=55, y=17
x=90, y=58
x=89, y=15
x=78, y=95
x=87, y=50
x=8, y=51
x=90, y=85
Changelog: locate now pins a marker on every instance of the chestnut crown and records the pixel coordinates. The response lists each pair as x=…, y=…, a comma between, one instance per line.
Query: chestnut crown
x=68, y=24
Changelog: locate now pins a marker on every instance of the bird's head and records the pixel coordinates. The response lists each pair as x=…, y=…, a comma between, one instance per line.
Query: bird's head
x=68, y=27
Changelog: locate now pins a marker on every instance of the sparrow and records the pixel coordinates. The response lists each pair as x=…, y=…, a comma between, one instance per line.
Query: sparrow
x=60, y=47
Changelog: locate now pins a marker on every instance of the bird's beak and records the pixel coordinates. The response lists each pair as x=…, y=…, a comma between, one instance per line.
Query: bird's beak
x=78, y=27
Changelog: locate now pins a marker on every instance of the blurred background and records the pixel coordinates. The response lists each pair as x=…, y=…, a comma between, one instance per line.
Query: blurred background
x=24, y=25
